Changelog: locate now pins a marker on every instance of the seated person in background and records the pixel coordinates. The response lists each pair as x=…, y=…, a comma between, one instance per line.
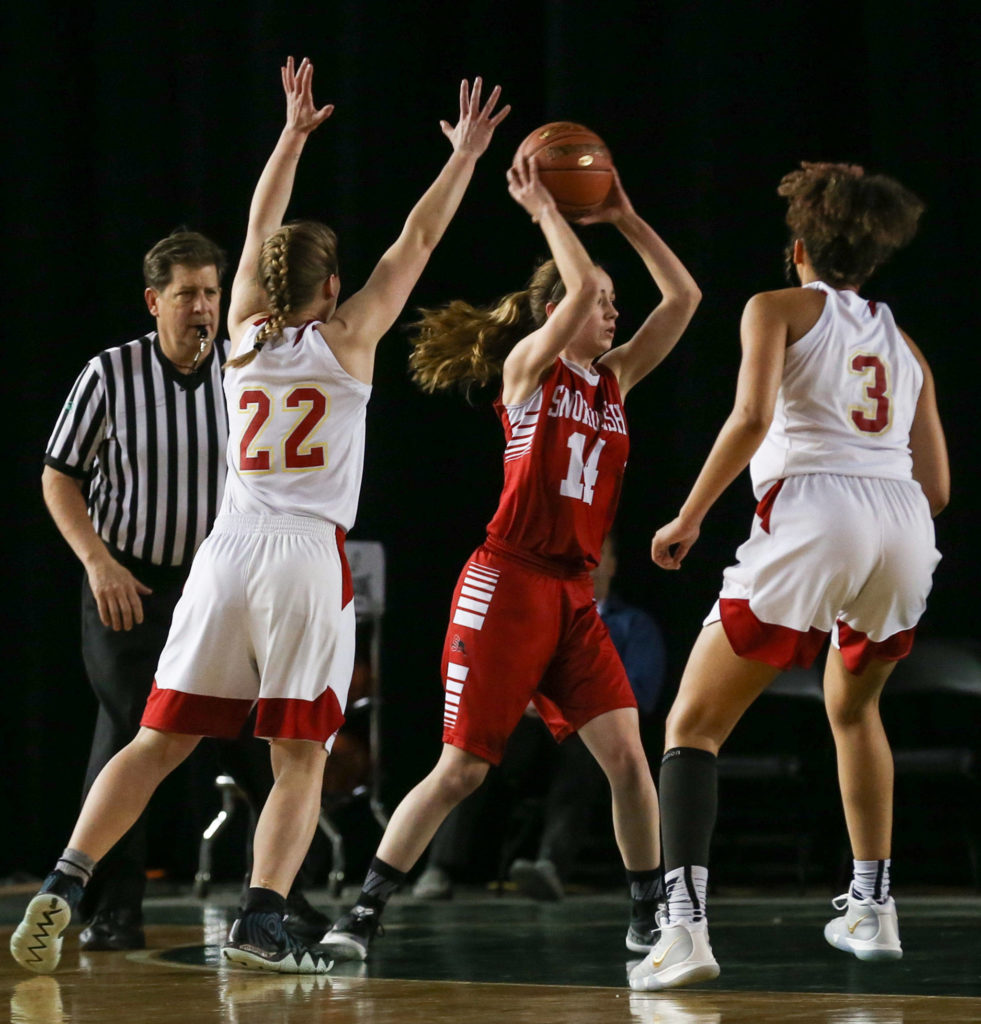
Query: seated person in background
x=575, y=782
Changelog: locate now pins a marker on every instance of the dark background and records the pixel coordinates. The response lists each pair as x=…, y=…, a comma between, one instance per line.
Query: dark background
x=124, y=121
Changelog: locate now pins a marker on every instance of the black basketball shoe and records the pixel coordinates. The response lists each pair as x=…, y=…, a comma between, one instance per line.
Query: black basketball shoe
x=36, y=943
x=258, y=940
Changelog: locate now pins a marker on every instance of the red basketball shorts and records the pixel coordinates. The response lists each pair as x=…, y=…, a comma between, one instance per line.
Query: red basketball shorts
x=515, y=635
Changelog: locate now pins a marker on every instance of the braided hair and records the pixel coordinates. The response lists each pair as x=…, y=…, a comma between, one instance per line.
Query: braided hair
x=850, y=222
x=293, y=263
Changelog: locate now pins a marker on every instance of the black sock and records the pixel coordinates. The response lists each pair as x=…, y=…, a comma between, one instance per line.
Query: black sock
x=264, y=901
x=380, y=884
x=688, y=790
x=646, y=892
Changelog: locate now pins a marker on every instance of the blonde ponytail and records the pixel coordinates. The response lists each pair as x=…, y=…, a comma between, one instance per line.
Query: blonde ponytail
x=459, y=345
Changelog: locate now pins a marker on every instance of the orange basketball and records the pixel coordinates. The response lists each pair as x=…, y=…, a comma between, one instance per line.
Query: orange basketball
x=573, y=164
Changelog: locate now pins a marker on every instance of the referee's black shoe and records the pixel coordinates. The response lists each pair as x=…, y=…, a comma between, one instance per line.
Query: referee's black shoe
x=113, y=928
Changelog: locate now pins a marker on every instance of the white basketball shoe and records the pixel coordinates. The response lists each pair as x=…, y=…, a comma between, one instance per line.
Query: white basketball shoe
x=869, y=930
x=682, y=956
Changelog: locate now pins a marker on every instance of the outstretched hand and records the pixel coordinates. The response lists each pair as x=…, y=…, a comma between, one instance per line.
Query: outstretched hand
x=526, y=188
x=613, y=208
x=301, y=114
x=672, y=542
x=473, y=132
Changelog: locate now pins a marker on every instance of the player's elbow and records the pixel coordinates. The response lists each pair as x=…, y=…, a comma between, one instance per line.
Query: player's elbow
x=751, y=420
x=690, y=298
x=938, y=496
x=933, y=476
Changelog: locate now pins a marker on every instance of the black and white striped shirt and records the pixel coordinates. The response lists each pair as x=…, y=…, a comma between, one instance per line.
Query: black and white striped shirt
x=151, y=444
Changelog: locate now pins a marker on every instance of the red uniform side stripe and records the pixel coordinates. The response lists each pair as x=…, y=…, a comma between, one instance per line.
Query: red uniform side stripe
x=765, y=508
x=775, y=645
x=857, y=650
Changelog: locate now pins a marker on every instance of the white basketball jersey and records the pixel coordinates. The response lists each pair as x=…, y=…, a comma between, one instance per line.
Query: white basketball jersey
x=847, y=399
x=296, y=423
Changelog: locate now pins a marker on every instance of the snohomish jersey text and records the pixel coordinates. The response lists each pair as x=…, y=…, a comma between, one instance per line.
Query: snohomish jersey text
x=564, y=460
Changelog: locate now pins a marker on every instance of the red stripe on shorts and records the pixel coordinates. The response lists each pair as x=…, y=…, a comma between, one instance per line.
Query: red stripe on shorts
x=284, y=718
x=765, y=508
x=857, y=650
x=347, y=584
x=193, y=714
x=779, y=646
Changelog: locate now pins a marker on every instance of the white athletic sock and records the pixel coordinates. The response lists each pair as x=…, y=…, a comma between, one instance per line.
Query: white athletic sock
x=79, y=865
x=870, y=879
x=684, y=889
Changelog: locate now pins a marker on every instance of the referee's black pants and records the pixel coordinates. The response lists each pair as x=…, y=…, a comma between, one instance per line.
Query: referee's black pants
x=120, y=666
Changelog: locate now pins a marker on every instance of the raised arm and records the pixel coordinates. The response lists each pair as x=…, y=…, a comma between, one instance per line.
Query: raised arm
x=659, y=333
x=764, y=340
x=272, y=193
x=526, y=362
x=363, y=319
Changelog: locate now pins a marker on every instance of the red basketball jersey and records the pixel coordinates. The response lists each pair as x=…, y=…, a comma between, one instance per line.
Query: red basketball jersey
x=564, y=459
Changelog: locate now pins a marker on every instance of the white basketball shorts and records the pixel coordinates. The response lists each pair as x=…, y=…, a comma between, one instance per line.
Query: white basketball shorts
x=267, y=618
x=850, y=556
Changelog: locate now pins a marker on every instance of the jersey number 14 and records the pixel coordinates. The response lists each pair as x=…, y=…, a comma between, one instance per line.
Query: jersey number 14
x=580, y=477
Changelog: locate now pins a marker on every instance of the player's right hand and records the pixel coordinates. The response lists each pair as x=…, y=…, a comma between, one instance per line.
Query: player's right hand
x=118, y=595
x=301, y=114
x=672, y=542
x=475, y=128
x=527, y=189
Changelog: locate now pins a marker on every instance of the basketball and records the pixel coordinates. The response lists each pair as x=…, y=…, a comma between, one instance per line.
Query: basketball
x=573, y=164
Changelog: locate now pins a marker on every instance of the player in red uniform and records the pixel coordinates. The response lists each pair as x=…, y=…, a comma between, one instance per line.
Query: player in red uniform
x=524, y=626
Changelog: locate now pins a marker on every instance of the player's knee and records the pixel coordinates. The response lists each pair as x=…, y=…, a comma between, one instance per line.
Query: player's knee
x=464, y=779
x=853, y=709
x=627, y=768
x=684, y=724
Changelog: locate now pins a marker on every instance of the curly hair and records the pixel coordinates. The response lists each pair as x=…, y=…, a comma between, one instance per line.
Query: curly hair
x=850, y=222
x=293, y=262
x=459, y=345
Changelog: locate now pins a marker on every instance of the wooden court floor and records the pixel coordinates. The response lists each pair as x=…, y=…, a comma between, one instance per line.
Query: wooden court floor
x=482, y=959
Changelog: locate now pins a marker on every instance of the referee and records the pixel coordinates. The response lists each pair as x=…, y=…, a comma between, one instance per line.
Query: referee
x=133, y=477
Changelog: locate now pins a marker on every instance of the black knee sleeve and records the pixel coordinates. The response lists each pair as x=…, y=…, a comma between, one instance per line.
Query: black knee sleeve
x=689, y=798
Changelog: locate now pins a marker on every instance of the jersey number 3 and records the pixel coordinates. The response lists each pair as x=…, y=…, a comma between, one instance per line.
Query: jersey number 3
x=580, y=477
x=298, y=454
x=875, y=418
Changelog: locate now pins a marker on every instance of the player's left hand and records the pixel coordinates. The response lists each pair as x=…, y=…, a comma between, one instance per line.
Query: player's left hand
x=615, y=207
x=672, y=542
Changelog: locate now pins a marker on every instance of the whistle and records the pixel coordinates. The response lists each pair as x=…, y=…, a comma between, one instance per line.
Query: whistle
x=203, y=338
